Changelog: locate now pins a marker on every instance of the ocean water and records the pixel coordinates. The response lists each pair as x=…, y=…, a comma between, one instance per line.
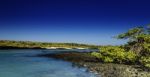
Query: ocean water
x=23, y=63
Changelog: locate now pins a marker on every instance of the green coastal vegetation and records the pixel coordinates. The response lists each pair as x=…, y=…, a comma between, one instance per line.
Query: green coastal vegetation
x=6, y=44
x=136, y=51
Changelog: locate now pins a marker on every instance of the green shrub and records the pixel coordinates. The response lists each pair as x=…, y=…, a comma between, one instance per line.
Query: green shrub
x=108, y=59
x=145, y=61
x=130, y=56
x=114, y=54
x=97, y=55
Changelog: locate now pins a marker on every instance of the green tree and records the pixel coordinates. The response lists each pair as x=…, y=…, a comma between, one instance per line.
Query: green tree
x=139, y=40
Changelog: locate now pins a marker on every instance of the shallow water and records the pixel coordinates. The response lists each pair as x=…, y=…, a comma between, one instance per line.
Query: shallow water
x=21, y=63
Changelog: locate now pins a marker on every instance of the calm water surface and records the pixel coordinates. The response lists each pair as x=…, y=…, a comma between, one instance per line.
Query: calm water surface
x=21, y=63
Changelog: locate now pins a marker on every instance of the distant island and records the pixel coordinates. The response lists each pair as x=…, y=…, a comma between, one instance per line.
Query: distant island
x=10, y=44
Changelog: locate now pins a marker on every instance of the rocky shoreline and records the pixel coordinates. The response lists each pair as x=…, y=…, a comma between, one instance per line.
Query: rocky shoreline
x=101, y=69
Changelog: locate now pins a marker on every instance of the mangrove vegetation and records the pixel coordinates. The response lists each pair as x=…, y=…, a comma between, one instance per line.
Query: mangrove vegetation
x=135, y=51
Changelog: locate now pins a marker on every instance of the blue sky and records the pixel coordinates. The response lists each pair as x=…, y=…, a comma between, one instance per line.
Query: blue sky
x=80, y=21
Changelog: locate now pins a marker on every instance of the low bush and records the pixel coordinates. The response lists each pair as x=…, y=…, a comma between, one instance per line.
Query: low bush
x=115, y=54
x=145, y=61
